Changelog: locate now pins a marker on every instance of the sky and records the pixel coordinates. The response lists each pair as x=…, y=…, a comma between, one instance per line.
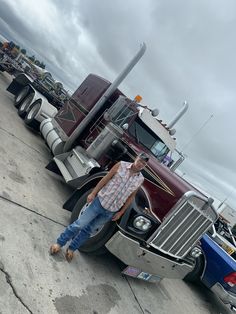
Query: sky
x=191, y=49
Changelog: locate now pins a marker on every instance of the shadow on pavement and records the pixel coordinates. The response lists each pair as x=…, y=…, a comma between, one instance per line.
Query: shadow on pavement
x=215, y=305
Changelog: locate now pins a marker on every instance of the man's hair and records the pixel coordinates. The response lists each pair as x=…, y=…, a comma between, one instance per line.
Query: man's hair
x=143, y=156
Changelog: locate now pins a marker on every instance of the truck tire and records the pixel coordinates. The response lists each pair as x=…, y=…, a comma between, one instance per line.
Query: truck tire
x=21, y=96
x=95, y=245
x=22, y=110
x=31, y=114
x=194, y=275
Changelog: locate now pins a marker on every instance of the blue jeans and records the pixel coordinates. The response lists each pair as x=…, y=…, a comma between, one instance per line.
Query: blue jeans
x=94, y=217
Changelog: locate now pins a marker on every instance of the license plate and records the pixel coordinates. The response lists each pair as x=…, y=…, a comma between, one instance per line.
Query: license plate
x=138, y=273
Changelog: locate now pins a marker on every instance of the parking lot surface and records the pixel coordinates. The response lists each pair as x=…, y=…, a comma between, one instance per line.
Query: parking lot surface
x=31, y=217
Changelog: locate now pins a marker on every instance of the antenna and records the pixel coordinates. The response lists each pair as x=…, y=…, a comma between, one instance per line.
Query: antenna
x=226, y=198
x=198, y=131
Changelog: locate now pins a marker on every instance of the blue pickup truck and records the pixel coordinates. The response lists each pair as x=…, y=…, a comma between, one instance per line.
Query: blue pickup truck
x=216, y=267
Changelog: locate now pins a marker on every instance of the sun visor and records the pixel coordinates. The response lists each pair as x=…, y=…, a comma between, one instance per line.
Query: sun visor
x=156, y=126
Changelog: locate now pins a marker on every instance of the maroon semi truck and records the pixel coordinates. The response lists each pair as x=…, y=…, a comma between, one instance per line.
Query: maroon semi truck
x=158, y=235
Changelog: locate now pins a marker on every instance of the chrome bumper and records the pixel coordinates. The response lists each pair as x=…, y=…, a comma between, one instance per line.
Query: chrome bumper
x=225, y=296
x=130, y=253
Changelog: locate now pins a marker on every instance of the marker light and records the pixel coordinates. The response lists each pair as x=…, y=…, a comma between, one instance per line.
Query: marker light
x=138, y=98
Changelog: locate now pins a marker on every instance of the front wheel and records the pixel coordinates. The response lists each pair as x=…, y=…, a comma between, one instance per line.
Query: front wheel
x=95, y=245
x=22, y=111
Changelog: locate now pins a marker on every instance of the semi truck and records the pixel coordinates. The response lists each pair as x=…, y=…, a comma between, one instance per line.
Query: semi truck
x=37, y=95
x=158, y=235
x=12, y=60
x=8, y=63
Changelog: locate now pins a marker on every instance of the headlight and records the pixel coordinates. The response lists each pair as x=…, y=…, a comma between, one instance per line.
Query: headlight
x=195, y=252
x=142, y=223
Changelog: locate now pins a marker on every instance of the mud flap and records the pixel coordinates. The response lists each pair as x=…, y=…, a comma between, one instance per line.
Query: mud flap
x=18, y=83
x=52, y=166
x=14, y=87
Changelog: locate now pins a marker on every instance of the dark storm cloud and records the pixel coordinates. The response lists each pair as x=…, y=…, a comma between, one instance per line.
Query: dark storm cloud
x=185, y=38
x=10, y=24
x=39, y=43
x=113, y=28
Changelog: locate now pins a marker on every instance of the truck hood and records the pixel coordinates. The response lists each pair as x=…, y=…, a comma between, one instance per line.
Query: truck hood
x=177, y=184
x=165, y=186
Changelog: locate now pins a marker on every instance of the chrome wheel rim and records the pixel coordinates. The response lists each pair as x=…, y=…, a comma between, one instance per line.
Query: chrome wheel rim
x=25, y=104
x=21, y=95
x=33, y=111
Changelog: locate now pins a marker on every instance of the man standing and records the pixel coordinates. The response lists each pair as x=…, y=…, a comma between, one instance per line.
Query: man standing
x=108, y=201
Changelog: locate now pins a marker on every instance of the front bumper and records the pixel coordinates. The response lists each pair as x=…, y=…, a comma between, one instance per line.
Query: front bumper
x=225, y=296
x=130, y=253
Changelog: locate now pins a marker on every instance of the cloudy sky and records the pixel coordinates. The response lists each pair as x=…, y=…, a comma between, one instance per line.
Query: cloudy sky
x=191, y=49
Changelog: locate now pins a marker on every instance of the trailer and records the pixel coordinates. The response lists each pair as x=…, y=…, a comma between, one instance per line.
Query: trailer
x=37, y=96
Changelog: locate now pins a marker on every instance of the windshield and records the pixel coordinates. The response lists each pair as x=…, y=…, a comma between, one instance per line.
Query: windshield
x=147, y=138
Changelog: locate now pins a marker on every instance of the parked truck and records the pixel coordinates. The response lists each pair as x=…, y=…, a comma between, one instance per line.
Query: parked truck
x=37, y=95
x=12, y=60
x=9, y=61
x=157, y=236
x=216, y=266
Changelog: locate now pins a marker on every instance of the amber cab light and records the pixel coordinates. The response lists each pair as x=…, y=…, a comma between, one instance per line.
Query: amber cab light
x=230, y=279
x=138, y=98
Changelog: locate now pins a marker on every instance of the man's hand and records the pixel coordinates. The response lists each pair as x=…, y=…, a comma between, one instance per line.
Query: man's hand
x=91, y=197
x=117, y=216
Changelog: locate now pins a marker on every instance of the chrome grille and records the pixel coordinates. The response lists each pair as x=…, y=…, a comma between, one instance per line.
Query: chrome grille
x=184, y=226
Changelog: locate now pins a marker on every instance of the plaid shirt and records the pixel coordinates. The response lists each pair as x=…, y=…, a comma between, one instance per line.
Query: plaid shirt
x=115, y=193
